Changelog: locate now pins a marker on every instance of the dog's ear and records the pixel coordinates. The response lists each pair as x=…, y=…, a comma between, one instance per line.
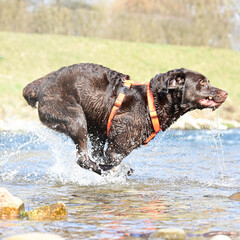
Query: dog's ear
x=176, y=81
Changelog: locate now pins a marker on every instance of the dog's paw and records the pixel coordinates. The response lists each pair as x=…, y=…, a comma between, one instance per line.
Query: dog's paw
x=119, y=171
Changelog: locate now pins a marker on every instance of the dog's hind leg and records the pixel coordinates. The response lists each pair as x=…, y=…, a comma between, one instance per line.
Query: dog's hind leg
x=71, y=121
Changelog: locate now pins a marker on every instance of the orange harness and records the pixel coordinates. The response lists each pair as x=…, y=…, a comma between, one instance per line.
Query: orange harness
x=151, y=106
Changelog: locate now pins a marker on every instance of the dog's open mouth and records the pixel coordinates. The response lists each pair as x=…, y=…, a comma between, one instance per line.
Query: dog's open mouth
x=209, y=102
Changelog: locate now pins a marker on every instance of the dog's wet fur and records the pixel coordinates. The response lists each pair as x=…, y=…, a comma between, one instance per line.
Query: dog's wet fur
x=77, y=100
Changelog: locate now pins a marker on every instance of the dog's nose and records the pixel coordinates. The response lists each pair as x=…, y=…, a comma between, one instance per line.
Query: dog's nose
x=221, y=95
x=224, y=94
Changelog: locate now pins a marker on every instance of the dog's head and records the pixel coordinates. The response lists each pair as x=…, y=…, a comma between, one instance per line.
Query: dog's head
x=192, y=89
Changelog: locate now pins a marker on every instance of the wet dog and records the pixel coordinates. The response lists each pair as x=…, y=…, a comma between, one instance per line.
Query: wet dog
x=78, y=100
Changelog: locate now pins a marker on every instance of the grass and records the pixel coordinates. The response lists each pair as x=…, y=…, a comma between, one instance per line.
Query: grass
x=26, y=57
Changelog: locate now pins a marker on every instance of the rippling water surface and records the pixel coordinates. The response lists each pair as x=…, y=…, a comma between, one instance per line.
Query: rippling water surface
x=181, y=179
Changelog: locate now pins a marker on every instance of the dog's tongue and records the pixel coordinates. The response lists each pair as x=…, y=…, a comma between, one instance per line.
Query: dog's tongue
x=204, y=102
x=208, y=103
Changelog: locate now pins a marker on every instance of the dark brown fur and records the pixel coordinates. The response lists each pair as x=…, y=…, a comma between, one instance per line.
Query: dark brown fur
x=77, y=100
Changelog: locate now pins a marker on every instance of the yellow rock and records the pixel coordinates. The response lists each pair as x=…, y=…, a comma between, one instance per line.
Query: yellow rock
x=10, y=206
x=35, y=236
x=235, y=196
x=53, y=211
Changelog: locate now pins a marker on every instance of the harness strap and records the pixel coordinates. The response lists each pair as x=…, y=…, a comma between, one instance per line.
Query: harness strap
x=118, y=104
x=151, y=106
x=152, y=109
x=153, y=115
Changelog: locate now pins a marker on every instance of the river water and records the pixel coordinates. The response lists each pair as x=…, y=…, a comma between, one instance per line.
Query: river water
x=181, y=179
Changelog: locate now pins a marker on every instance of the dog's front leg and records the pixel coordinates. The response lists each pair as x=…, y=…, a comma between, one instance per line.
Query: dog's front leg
x=113, y=157
x=85, y=162
x=111, y=160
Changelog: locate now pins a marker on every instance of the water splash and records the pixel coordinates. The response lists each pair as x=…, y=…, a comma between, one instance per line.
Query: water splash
x=39, y=154
x=216, y=134
x=36, y=154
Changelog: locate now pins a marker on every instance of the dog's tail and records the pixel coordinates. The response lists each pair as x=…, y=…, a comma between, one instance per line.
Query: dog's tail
x=31, y=91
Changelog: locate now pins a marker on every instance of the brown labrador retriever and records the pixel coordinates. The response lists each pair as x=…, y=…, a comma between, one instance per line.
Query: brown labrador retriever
x=77, y=100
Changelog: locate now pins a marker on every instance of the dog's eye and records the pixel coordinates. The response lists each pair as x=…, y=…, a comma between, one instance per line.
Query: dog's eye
x=203, y=82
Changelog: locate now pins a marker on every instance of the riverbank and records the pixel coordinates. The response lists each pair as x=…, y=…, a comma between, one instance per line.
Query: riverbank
x=204, y=120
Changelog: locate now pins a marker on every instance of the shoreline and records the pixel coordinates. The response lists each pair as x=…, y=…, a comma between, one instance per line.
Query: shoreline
x=186, y=122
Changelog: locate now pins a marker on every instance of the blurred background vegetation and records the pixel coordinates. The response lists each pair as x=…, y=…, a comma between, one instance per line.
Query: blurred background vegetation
x=181, y=22
x=144, y=37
